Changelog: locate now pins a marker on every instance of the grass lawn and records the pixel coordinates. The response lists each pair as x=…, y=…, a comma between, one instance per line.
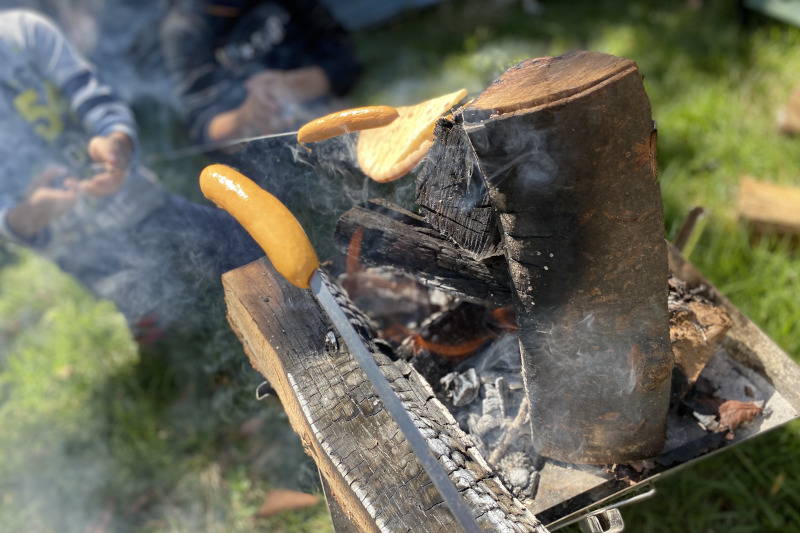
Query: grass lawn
x=101, y=435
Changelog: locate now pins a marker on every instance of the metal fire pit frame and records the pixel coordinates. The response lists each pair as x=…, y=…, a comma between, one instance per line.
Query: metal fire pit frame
x=746, y=345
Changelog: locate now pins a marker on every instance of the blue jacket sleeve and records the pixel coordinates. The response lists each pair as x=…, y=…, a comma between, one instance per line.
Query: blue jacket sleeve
x=48, y=54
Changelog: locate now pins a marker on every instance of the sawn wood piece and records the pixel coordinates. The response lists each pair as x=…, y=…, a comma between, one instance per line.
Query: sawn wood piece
x=768, y=207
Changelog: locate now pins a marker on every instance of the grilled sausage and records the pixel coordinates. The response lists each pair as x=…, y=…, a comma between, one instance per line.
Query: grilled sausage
x=266, y=219
x=349, y=120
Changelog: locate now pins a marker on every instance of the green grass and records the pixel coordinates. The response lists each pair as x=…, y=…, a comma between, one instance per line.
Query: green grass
x=171, y=439
x=156, y=438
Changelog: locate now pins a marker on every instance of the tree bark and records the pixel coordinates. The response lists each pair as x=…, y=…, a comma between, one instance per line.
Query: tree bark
x=567, y=148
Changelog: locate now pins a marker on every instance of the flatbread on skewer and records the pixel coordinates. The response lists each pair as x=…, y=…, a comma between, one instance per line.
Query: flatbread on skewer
x=390, y=152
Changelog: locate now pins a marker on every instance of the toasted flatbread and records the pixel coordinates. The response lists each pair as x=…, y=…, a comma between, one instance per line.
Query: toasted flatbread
x=390, y=152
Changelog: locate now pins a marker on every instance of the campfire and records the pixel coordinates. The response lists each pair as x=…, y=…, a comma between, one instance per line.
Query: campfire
x=553, y=349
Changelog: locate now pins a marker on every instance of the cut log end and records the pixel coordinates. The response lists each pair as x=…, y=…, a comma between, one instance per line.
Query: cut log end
x=545, y=80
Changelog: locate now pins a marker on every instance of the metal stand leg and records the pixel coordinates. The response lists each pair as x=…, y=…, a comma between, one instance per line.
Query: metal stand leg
x=608, y=521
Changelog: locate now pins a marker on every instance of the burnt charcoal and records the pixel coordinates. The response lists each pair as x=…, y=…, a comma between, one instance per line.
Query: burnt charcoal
x=452, y=195
x=491, y=422
x=457, y=333
x=449, y=338
x=519, y=474
x=703, y=404
x=399, y=240
x=461, y=388
x=433, y=369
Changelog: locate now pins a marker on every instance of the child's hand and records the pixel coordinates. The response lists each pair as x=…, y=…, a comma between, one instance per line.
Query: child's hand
x=277, y=88
x=44, y=201
x=114, y=151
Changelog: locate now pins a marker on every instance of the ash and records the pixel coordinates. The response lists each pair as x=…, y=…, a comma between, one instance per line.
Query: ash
x=485, y=394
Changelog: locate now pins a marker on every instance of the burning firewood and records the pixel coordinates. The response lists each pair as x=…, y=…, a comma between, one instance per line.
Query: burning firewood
x=565, y=150
x=449, y=337
x=582, y=224
x=554, y=165
x=560, y=152
x=398, y=239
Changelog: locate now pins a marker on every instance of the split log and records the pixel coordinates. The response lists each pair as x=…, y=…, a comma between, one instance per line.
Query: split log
x=567, y=148
x=452, y=195
x=391, y=237
x=361, y=453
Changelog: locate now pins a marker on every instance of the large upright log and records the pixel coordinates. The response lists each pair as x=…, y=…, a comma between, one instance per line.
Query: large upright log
x=567, y=148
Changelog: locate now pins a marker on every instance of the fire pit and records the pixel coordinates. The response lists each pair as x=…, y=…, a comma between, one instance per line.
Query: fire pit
x=540, y=214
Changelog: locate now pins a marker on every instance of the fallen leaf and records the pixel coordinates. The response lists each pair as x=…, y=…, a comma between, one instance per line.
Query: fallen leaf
x=708, y=421
x=279, y=500
x=732, y=413
x=777, y=484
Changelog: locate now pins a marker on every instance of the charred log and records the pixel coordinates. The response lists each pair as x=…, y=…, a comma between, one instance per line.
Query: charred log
x=567, y=148
x=452, y=194
x=392, y=237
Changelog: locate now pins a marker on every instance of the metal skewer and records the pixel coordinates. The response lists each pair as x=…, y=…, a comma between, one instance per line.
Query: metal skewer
x=393, y=404
x=286, y=244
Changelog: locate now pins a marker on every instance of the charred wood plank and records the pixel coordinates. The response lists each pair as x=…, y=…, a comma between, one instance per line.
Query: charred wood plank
x=369, y=467
x=392, y=237
x=567, y=148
